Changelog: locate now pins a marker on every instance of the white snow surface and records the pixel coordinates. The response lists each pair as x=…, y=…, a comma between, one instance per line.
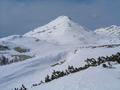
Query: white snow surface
x=90, y=79
x=34, y=70
x=61, y=40
x=109, y=34
x=63, y=30
x=113, y=31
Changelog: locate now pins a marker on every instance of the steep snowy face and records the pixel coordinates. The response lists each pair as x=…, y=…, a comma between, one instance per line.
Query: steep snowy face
x=62, y=31
x=112, y=31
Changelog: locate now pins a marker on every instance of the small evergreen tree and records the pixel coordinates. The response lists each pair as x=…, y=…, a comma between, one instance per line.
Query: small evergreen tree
x=23, y=87
x=104, y=65
x=47, y=78
x=3, y=60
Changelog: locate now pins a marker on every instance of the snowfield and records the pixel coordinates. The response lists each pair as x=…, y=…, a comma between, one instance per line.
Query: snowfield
x=55, y=46
x=34, y=70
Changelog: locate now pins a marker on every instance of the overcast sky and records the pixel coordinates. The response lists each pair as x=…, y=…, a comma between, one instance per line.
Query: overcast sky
x=21, y=16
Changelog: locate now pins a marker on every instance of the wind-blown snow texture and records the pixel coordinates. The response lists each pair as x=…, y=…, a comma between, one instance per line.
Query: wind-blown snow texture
x=61, y=40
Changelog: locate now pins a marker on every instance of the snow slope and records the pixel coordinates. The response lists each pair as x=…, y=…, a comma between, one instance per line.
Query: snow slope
x=63, y=31
x=61, y=40
x=90, y=79
x=35, y=69
x=109, y=34
x=11, y=52
x=112, y=31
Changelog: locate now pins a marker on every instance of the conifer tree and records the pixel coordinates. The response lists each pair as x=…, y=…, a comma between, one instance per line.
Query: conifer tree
x=47, y=78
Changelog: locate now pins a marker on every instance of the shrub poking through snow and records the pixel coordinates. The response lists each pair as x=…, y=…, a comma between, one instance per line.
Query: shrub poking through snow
x=16, y=58
x=104, y=65
x=2, y=48
x=3, y=60
x=21, y=50
x=47, y=78
x=20, y=57
x=21, y=88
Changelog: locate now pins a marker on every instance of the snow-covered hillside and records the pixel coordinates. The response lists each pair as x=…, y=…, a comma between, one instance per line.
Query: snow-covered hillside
x=112, y=31
x=55, y=46
x=109, y=34
x=91, y=79
x=63, y=31
x=34, y=70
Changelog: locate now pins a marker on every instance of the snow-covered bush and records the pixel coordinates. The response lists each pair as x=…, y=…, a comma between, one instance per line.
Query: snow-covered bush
x=21, y=88
x=21, y=50
x=2, y=48
x=3, y=60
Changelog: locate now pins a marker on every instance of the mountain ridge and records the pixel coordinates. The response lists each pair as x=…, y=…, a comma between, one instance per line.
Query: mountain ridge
x=112, y=31
x=62, y=30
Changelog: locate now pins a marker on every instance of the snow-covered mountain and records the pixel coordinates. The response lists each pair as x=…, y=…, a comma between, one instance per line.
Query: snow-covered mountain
x=63, y=30
x=55, y=46
x=112, y=31
x=109, y=34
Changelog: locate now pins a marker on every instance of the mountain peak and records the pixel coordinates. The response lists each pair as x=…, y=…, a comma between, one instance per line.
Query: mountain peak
x=66, y=18
x=60, y=20
x=61, y=30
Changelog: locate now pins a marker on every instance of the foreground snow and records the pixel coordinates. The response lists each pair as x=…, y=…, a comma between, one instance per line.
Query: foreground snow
x=91, y=79
x=33, y=70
